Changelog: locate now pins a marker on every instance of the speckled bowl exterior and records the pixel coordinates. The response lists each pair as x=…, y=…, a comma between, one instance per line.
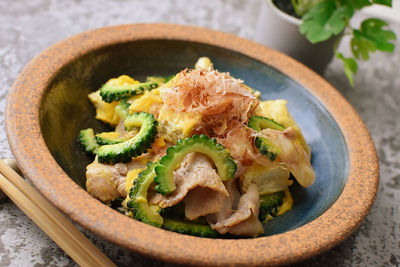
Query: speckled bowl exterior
x=25, y=111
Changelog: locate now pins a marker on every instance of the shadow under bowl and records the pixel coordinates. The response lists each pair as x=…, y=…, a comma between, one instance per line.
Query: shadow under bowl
x=48, y=106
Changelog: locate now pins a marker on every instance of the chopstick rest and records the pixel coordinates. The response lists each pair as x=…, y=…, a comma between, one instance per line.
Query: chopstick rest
x=50, y=220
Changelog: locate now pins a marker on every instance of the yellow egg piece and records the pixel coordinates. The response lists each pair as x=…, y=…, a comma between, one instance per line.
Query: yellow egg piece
x=106, y=111
x=159, y=142
x=122, y=80
x=269, y=179
x=108, y=135
x=149, y=102
x=287, y=203
x=174, y=126
x=130, y=178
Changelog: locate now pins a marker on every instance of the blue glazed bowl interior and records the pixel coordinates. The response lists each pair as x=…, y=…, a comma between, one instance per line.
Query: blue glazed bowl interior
x=65, y=110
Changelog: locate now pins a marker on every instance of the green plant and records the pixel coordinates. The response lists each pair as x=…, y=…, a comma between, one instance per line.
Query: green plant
x=324, y=18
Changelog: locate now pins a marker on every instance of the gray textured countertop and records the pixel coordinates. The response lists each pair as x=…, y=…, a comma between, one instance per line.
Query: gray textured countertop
x=28, y=27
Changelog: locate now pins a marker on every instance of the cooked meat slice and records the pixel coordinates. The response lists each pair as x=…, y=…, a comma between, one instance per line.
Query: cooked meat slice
x=292, y=155
x=121, y=178
x=102, y=181
x=250, y=227
x=121, y=128
x=153, y=197
x=228, y=207
x=107, y=182
x=249, y=203
x=196, y=171
x=202, y=201
x=244, y=221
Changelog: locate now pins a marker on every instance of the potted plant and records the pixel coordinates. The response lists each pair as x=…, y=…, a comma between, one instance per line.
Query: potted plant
x=310, y=31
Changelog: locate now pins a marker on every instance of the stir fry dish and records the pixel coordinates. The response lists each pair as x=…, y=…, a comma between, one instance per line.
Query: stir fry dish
x=197, y=153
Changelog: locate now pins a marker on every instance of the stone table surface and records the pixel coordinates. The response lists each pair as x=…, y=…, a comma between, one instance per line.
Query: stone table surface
x=28, y=27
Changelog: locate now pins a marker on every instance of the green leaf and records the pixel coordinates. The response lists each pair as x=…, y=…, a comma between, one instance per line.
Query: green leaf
x=350, y=67
x=371, y=37
x=302, y=6
x=361, y=46
x=356, y=4
x=383, y=2
x=324, y=20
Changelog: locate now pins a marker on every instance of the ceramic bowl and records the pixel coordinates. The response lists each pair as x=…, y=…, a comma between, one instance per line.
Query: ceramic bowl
x=48, y=105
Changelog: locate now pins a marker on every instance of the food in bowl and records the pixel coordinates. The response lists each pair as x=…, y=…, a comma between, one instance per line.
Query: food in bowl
x=197, y=153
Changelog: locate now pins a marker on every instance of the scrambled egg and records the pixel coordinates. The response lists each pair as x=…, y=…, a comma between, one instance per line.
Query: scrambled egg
x=285, y=207
x=287, y=203
x=108, y=135
x=149, y=102
x=106, y=111
x=276, y=110
x=159, y=142
x=130, y=178
x=269, y=178
x=122, y=80
x=174, y=126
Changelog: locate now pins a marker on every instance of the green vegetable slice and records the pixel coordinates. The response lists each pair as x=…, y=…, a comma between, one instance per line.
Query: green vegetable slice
x=258, y=123
x=102, y=139
x=138, y=198
x=122, y=109
x=87, y=139
x=111, y=93
x=189, y=228
x=264, y=145
x=269, y=204
x=135, y=146
x=197, y=143
x=167, y=79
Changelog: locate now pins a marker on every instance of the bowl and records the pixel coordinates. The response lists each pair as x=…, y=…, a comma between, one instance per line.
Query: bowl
x=48, y=105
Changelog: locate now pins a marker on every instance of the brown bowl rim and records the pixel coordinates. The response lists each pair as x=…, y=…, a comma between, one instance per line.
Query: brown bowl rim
x=317, y=236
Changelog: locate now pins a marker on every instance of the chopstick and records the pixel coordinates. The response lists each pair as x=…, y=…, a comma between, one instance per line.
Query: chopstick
x=50, y=220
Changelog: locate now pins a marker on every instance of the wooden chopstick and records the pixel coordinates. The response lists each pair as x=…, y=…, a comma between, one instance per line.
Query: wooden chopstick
x=50, y=220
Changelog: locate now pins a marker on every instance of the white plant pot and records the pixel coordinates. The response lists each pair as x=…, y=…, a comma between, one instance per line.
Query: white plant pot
x=280, y=31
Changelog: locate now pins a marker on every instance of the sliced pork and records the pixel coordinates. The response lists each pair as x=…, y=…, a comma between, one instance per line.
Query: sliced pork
x=292, y=154
x=229, y=204
x=107, y=182
x=199, y=184
x=202, y=201
x=240, y=219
